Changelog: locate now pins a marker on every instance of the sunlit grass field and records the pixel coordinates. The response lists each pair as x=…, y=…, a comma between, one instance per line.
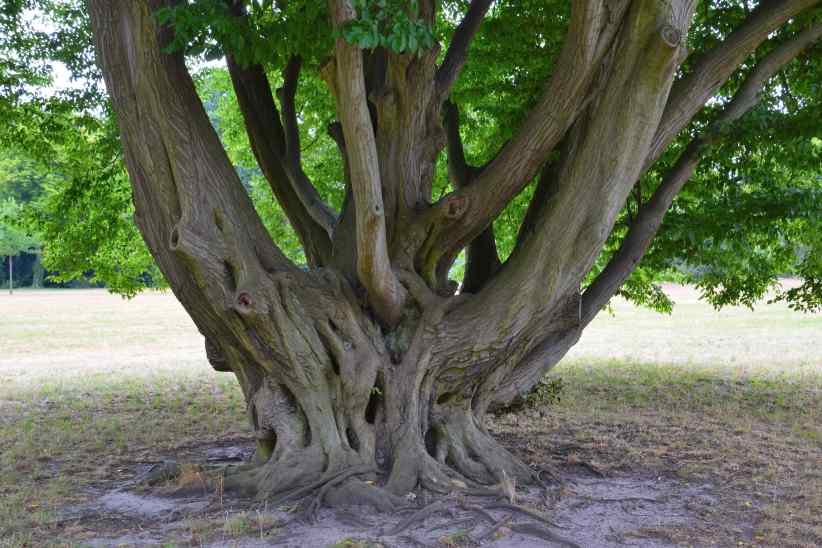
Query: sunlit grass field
x=91, y=384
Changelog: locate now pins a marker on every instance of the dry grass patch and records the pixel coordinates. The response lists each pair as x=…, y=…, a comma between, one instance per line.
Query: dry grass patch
x=755, y=437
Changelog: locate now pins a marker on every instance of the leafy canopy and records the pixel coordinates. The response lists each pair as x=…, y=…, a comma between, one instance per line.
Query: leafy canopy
x=752, y=212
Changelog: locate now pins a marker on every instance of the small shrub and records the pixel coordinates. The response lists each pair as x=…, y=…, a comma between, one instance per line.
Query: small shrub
x=546, y=392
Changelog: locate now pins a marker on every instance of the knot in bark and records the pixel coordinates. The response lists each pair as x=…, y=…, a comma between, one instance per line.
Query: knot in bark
x=244, y=303
x=456, y=207
x=670, y=35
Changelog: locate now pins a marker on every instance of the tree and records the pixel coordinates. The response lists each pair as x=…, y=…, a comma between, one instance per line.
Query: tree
x=13, y=239
x=369, y=358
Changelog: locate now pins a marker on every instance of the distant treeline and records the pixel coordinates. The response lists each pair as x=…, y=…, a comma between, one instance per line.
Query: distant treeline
x=28, y=271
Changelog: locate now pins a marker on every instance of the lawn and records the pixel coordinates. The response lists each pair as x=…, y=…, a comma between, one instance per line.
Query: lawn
x=93, y=386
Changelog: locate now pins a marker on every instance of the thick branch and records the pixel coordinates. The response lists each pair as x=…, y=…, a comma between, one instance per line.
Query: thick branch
x=459, y=171
x=287, y=95
x=482, y=258
x=309, y=216
x=309, y=197
x=713, y=69
x=601, y=158
x=457, y=52
x=650, y=215
x=592, y=29
x=373, y=263
x=191, y=208
x=749, y=92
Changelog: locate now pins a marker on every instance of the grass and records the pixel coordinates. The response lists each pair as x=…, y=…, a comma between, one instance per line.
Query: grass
x=91, y=384
x=732, y=398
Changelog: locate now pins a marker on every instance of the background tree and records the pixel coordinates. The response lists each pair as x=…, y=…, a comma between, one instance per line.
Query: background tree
x=549, y=160
x=14, y=239
x=20, y=182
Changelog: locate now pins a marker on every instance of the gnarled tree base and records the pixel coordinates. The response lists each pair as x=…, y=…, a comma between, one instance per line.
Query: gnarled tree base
x=359, y=414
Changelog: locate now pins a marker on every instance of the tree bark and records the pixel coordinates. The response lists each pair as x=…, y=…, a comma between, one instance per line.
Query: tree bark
x=368, y=364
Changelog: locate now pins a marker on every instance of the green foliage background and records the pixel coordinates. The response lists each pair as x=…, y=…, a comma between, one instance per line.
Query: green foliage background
x=752, y=213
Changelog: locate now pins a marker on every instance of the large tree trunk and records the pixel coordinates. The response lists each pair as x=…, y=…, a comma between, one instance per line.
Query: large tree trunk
x=369, y=363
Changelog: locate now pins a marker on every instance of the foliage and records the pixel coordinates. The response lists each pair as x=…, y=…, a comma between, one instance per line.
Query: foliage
x=21, y=178
x=14, y=239
x=210, y=29
x=751, y=213
x=388, y=24
x=548, y=391
x=85, y=215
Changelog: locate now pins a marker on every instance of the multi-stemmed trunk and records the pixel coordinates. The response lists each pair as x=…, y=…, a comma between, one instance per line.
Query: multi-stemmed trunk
x=370, y=361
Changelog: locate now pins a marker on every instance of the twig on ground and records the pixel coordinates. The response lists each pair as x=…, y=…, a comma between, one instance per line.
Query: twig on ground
x=523, y=510
x=417, y=516
x=534, y=530
x=496, y=527
x=479, y=511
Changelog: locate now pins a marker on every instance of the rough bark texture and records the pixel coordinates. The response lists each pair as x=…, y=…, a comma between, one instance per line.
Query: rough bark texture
x=370, y=363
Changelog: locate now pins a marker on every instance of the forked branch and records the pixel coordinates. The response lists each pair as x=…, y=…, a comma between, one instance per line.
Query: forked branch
x=320, y=212
x=298, y=198
x=650, y=215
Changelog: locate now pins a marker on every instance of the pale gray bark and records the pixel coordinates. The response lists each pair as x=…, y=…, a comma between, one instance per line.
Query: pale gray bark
x=373, y=265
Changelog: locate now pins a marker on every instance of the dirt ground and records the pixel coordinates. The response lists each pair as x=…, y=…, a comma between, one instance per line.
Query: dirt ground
x=698, y=429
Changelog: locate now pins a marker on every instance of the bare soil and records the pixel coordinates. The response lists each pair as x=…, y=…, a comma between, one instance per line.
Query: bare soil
x=581, y=506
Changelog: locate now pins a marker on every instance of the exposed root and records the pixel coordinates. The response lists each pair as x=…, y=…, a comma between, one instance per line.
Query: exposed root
x=479, y=511
x=330, y=484
x=497, y=526
x=352, y=519
x=472, y=452
x=360, y=493
x=538, y=530
x=523, y=510
x=345, y=486
x=325, y=479
x=455, y=524
x=415, y=517
x=534, y=530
